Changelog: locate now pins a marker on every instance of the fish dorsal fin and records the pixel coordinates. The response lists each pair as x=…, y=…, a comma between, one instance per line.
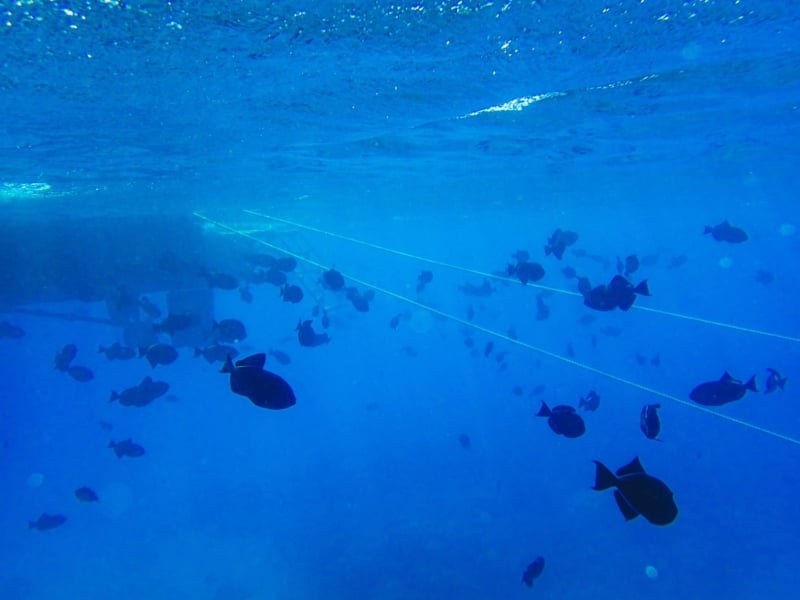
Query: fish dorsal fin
x=544, y=411
x=726, y=377
x=632, y=468
x=256, y=360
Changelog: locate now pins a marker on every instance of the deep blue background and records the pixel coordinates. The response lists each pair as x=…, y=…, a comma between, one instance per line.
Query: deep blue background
x=662, y=119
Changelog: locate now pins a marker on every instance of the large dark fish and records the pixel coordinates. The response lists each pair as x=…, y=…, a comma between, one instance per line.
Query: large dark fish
x=533, y=571
x=263, y=388
x=725, y=390
x=229, y=331
x=423, y=279
x=725, y=232
x=649, y=422
x=171, y=324
x=86, y=494
x=308, y=337
x=275, y=277
x=80, y=373
x=159, y=354
x=292, y=293
x=638, y=493
x=559, y=241
x=65, y=356
x=619, y=293
x=46, y=522
x=127, y=448
x=526, y=271
x=332, y=280
x=7, y=330
x=564, y=420
x=117, y=351
x=141, y=394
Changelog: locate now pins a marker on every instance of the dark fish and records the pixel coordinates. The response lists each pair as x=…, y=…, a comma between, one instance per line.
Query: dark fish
x=127, y=448
x=150, y=309
x=172, y=324
x=286, y=264
x=65, y=356
x=727, y=389
x=641, y=359
x=394, y=322
x=470, y=313
x=274, y=277
x=656, y=360
x=649, y=422
x=725, y=232
x=563, y=420
x=521, y=255
x=216, y=352
x=117, y=351
x=221, y=281
x=764, y=277
x=542, y=310
x=292, y=293
x=245, y=294
x=464, y=440
x=591, y=402
x=526, y=271
x=500, y=356
x=85, y=494
x=326, y=320
x=631, y=265
x=45, y=522
x=7, y=330
x=78, y=373
x=569, y=273
x=483, y=290
x=620, y=293
x=533, y=571
x=142, y=394
x=469, y=342
x=559, y=241
x=229, y=331
x=263, y=388
x=678, y=261
x=774, y=381
x=281, y=357
x=570, y=350
x=308, y=337
x=638, y=493
x=423, y=279
x=487, y=350
x=159, y=354
x=333, y=280
x=359, y=301
x=584, y=285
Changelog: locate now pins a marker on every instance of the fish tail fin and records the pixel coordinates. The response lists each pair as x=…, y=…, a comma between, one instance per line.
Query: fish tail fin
x=114, y=396
x=603, y=478
x=642, y=289
x=544, y=411
x=751, y=384
x=228, y=366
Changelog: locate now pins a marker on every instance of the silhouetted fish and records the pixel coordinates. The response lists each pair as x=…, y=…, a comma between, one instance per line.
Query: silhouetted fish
x=725, y=390
x=526, y=271
x=764, y=277
x=159, y=354
x=221, y=281
x=85, y=494
x=263, y=388
x=333, y=280
x=619, y=293
x=292, y=293
x=563, y=420
x=117, y=351
x=487, y=350
x=521, y=255
x=591, y=402
x=245, y=294
x=216, y=352
x=533, y=571
x=7, y=330
x=649, y=422
x=559, y=241
x=46, y=522
x=423, y=279
x=150, y=309
x=464, y=441
x=229, y=331
x=308, y=337
x=638, y=493
x=80, y=373
x=65, y=356
x=275, y=277
x=725, y=232
x=678, y=261
x=127, y=448
x=174, y=323
x=774, y=381
x=141, y=394
x=286, y=264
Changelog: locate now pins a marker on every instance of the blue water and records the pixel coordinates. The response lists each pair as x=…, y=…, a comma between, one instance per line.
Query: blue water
x=458, y=132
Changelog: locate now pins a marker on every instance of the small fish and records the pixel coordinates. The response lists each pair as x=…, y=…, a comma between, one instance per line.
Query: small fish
x=216, y=352
x=148, y=308
x=470, y=313
x=631, y=265
x=656, y=360
x=127, y=448
x=512, y=333
x=308, y=337
x=85, y=494
x=725, y=232
x=65, y=356
x=173, y=323
x=542, y=310
x=394, y=322
x=326, y=319
x=229, y=331
x=281, y=357
x=245, y=294
x=526, y=271
x=641, y=359
x=292, y=293
x=142, y=394
x=619, y=293
x=638, y=493
x=159, y=354
x=46, y=522
x=563, y=420
x=774, y=381
x=78, y=373
x=332, y=280
x=117, y=351
x=469, y=342
x=649, y=421
x=569, y=273
x=533, y=571
x=7, y=330
x=263, y=388
x=274, y=277
x=570, y=350
x=464, y=441
x=488, y=348
x=725, y=390
x=559, y=241
x=500, y=356
x=591, y=402
x=423, y=279
x=359, y=301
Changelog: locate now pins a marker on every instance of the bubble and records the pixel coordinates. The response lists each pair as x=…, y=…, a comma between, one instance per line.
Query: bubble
x=35, y=480
x=787, y=229
x=726, y=262
x=421, y=321
x=651, y=572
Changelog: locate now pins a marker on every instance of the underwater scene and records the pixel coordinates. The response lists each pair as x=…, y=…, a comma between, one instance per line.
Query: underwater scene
x=399, y=300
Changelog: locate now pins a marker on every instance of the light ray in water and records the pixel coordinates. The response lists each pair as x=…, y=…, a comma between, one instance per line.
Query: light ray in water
x=510, y=340
x=657, y=311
